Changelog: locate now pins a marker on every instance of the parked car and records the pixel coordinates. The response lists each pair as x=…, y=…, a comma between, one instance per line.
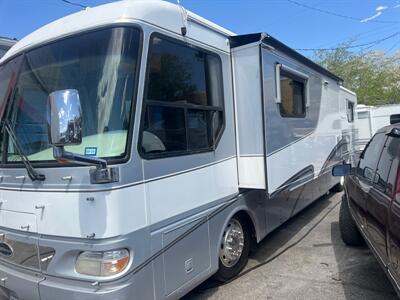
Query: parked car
x=370, y=208
x=5, y=44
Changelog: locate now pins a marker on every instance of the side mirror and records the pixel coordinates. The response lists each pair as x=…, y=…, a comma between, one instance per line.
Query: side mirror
x=64, y=118
x=342, y=170
x=65, y=128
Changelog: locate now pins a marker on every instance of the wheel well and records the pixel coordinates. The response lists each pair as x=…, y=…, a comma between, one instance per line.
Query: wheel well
x=243, y=215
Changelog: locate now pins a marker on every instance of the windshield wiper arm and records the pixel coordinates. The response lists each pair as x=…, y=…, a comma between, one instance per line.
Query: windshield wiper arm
x=32, y=173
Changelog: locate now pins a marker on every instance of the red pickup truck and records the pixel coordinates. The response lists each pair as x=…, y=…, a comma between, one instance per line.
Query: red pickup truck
x=370, y=208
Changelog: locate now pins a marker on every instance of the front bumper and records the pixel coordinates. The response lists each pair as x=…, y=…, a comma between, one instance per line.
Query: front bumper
x=27, y=285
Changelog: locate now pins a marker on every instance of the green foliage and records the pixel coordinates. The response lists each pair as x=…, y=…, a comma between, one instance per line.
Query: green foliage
x=374, y=76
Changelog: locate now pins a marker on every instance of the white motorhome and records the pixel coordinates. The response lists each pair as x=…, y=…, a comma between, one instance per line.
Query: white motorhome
x=372, y=118
x=348, y=104
x=144, y=148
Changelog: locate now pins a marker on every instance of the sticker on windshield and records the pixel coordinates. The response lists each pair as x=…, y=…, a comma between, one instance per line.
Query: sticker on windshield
x=90, y=151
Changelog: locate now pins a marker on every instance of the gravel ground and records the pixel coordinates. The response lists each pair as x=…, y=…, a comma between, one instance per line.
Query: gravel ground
x=320, y=266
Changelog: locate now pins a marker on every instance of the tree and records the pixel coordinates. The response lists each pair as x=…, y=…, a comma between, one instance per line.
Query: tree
x=374, y=76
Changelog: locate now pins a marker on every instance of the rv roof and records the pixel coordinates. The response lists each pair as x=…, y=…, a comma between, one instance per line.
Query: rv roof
x=240, y=40
x=158, y=13
x=149, y=11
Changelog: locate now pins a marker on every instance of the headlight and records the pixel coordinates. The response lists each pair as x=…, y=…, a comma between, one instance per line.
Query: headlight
x=102, y=263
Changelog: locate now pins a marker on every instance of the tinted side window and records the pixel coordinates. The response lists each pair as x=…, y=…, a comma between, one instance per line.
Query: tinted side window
x=383, y=169
x=183, y=102
x=293, y=103
x=393, y=151
x=370, y=156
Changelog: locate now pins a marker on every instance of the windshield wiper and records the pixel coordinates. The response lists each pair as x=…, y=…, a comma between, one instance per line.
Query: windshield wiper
x=32, y=173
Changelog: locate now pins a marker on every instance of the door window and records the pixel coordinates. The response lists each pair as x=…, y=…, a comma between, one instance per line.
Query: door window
x=385, y=162
x=370, y=156
x=183, y=105
x=393, y=154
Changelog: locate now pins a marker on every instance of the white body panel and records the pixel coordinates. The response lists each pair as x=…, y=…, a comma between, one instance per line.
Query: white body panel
x=372, y=118
x=248, y=99
x=311, y=149
x=115, y=212
x=178, y=194
x=252, y=172
x=71, y=215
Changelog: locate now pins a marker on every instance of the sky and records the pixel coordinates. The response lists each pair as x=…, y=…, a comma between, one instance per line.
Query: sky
x=301, y=24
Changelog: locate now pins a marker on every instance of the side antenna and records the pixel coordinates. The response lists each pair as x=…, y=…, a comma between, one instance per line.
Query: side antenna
x=184, y=18
x=75, y=4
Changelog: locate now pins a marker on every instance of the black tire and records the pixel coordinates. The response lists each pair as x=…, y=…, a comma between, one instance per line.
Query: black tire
x=351, y=236
x=337, y=188
x=225, y=273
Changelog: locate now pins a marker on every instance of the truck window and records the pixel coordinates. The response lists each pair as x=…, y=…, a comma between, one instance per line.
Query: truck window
x=293, y=103
x=393, y=155
x=369, y=158
x=183, y=99
x=382, y=171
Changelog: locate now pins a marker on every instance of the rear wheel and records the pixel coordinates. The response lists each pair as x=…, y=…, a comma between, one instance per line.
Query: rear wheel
x=351, y=236
x=234, y=249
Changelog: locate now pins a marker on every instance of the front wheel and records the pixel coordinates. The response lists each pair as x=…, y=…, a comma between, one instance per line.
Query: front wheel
x=351, y=236
x=234, y=249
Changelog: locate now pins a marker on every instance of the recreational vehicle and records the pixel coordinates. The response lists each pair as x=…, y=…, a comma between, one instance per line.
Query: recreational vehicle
x=5, y=44
x=144, y=149
x=348, y=104
x=372, y=118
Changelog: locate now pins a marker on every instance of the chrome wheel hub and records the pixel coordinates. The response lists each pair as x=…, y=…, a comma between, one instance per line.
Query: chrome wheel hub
x=232, y=243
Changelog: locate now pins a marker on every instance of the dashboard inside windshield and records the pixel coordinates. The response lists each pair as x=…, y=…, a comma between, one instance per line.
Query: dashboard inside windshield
x=101, y=65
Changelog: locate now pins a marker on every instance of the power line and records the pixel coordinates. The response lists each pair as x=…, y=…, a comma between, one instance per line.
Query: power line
x=394, y=46
x=371, y=44
x=75, y=4
x=337, y=14
x=378, y=31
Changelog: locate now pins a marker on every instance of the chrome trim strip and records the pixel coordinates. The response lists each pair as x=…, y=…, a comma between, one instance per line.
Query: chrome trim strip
x=120, y=186
x=27, y=254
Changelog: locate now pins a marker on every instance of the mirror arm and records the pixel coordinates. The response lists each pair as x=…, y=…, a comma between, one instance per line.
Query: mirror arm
x=101, y=174
x=61, y=155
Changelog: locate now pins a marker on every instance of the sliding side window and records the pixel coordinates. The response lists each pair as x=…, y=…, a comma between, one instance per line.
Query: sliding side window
x=291, y=92
x=183, y=100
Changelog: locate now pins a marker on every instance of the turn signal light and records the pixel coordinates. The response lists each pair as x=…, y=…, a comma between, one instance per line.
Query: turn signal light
x=102, y=264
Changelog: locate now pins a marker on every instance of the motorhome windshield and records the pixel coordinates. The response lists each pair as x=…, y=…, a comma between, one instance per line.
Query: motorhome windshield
x=101, y=65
